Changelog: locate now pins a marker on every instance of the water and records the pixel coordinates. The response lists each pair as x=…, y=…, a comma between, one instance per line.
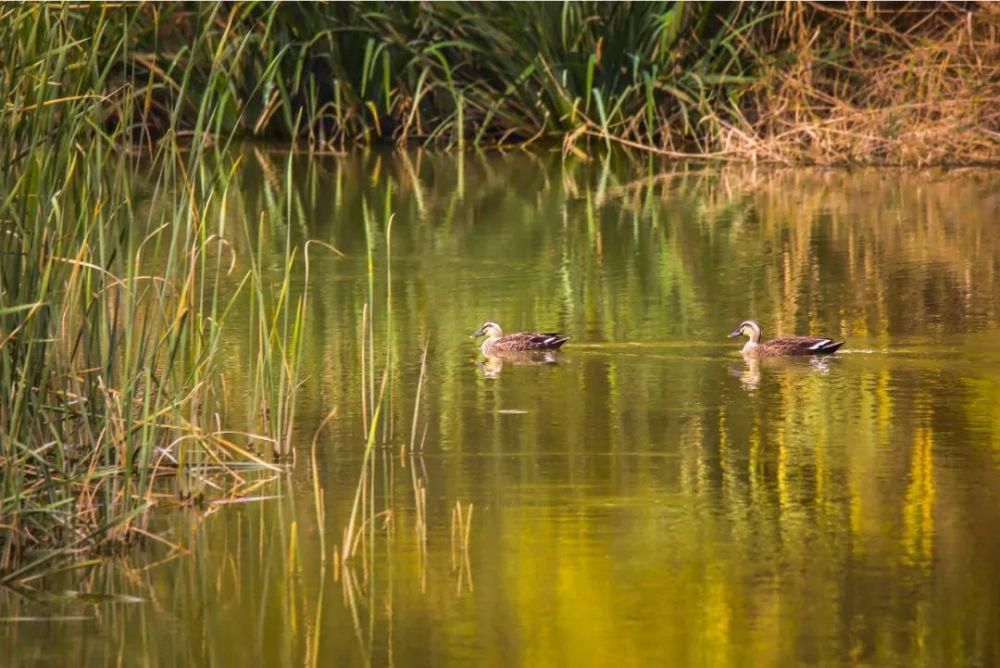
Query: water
x=647, y=499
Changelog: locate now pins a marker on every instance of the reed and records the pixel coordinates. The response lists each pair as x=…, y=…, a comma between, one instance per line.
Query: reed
x=912, y=83
x=363, y=508
x=461, y=528
x=117, y=275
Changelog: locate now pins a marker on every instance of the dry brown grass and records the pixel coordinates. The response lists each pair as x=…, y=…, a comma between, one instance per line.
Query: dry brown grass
x=911, y=84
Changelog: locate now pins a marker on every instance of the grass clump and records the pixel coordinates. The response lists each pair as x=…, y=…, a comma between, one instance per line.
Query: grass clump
x=115, y=284
x=912, y=83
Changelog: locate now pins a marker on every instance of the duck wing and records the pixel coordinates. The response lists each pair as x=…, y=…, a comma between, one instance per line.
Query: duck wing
x=802, y=345
x=531, y=341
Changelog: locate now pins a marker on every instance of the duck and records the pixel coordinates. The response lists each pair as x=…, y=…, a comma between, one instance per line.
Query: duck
x=497, y=342
x=792, y=345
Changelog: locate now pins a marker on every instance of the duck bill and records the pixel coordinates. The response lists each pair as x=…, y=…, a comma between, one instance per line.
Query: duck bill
x=733, y=335
x=478, y=333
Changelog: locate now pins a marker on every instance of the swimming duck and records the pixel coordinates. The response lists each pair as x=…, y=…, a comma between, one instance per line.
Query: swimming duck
x=496, y=342
x=792, y=345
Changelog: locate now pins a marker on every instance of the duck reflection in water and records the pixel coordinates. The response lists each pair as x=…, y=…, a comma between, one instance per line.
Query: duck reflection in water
x=493, y=365
x=751, y=371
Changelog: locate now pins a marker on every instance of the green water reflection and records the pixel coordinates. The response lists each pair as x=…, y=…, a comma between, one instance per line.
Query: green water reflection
x=646, y=498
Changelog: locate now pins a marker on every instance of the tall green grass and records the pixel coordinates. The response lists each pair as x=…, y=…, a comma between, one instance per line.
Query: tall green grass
x=116, y=279
x=907, y=82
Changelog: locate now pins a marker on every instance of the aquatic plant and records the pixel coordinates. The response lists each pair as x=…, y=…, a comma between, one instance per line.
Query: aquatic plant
x=116, y=277
x=893, y=83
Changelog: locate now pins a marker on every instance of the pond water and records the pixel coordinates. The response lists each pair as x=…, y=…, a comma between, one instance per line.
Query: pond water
x=646, y=497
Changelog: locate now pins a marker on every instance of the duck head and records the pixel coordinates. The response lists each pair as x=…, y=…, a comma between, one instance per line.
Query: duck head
x=490, y=329
x=748, y=328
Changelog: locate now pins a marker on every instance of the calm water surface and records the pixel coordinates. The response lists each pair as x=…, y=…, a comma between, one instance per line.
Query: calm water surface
x=646, y=499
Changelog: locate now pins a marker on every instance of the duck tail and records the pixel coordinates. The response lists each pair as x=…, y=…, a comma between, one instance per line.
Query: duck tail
x=828, y=347
x=557, y=340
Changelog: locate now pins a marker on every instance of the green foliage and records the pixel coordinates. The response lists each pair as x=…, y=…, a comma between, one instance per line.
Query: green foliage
x=747, y=79
x=111, y=296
